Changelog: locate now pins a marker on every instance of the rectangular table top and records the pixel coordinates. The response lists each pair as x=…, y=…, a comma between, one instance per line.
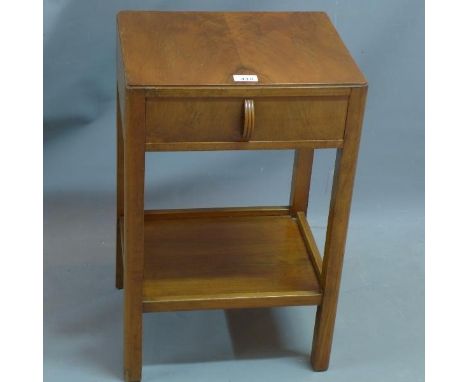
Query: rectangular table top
x=161, y=49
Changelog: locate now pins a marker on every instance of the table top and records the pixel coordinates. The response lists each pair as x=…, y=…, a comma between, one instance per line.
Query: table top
x=208, y=48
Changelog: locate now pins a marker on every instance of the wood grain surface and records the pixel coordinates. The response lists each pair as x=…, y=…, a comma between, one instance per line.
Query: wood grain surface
x=201, y=48
x=176, y=93
x=226, y=262
x=222, y=119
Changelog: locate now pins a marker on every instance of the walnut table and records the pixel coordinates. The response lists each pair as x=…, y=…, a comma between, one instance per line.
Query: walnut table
x=232, y=81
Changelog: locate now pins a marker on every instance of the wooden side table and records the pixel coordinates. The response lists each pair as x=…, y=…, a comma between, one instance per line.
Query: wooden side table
x=232, y=81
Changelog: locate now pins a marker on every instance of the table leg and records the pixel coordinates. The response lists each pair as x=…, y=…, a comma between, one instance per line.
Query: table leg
x=134, y=169
x=345, y=168
x=119, y=197
x=300, y=184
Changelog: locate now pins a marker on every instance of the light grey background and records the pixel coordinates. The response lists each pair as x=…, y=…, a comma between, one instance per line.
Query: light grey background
x=379, y=333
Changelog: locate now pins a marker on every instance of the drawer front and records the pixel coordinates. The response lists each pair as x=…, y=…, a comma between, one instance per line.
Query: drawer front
x=267, y=119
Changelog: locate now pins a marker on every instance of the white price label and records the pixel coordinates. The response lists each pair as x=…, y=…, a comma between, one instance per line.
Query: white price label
x=245, y=77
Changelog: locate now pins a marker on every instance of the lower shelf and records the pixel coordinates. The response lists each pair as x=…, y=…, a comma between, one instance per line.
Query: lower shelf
x=222, y=260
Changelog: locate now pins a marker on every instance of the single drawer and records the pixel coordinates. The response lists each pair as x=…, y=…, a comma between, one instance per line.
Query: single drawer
x=259, y=119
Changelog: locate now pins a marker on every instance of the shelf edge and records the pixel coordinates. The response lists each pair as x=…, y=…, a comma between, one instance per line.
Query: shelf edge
x=233, y=301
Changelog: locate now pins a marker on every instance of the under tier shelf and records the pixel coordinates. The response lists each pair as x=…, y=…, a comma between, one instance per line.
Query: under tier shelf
x=227, y=258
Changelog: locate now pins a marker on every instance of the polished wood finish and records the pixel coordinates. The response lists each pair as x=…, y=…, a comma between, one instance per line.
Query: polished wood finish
x=220, y=212
x=340, y=204
x=265, y=145
x=300, y=183
x=219, y=119
x=244, y=90
x=176, y=93
x=258, y=271
x=200, y=48
x=134, y=172
x=208, y=262
x=310, y=244
x=249, y=119
x=119, y=196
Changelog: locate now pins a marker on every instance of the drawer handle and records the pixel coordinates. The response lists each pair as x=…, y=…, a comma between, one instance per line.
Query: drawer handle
x=249, y=119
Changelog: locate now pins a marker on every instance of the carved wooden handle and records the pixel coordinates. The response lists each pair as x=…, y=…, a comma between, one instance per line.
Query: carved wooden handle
x=249, y=119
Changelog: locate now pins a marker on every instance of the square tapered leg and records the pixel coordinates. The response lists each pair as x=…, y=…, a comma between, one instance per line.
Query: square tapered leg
x=340, y=205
